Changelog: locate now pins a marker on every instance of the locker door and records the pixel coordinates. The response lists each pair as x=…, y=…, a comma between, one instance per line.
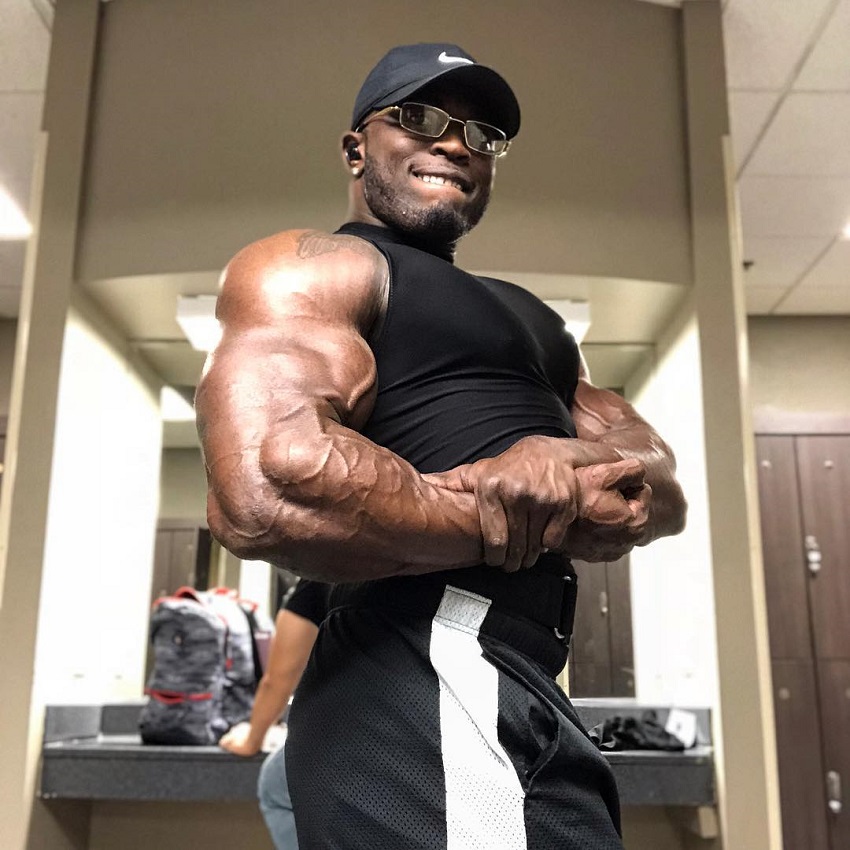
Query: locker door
x=801, y=776
x=834, y=681
x=590, y=649
x=620, y=628
x=823, y=465
x=785, y=574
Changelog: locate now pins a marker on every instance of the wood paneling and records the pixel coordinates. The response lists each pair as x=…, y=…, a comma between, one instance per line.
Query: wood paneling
x=834, y=686
x=591, y=643
x=590, y=680
x=620, y=628
x=824, y=472
x=801, y=776
x=601, y=652
x=804, y=487
x=785, y=573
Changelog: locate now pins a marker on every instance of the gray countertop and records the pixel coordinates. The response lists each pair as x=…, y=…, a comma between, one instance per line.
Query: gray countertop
x=90, y=754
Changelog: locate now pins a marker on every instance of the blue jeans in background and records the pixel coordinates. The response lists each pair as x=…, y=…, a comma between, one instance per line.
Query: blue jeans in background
x=275, y=803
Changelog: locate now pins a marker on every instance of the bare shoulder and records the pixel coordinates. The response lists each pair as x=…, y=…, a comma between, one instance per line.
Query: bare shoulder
x=306, y=273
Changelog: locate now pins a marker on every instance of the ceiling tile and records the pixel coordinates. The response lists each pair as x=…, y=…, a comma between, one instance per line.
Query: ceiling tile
x=748, y=111
x=765, y=39
x=794, y=206
x=20, y=119
x=816, y=301
x=828, y=66
x=762, y=299
x=809, y=135
x=779, y=261
x=24, y=44
x=833, y=269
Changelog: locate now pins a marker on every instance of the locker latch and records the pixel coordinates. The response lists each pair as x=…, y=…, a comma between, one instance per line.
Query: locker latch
x=833, y=791
x=813, y=554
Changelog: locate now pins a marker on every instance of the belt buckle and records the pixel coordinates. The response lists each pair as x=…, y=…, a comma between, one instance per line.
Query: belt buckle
x=568, y=608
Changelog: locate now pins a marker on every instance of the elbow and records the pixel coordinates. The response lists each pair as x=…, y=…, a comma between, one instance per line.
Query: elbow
x=279, y=537
x=248, y=534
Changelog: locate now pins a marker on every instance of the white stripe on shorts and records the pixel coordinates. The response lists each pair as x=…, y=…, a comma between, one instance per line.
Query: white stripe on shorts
x=484, y=798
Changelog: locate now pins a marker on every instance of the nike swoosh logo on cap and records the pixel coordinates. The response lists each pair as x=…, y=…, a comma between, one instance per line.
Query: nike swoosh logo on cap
x=443, y=57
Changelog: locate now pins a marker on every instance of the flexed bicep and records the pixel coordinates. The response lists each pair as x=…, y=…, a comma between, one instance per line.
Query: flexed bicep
x=291, y=480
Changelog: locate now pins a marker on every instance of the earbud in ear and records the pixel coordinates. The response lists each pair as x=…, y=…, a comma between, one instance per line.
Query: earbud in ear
x=352, y=154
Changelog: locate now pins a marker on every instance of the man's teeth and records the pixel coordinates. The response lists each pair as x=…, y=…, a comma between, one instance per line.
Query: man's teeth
x=440, y=181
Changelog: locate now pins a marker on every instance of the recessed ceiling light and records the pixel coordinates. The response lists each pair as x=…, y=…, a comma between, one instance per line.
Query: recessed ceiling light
x=13, y=223
x=845, y=234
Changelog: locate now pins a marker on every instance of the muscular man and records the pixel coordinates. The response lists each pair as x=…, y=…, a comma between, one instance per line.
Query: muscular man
x=375, y=416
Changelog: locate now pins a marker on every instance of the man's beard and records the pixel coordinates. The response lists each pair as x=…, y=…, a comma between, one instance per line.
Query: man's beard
x=440, y=223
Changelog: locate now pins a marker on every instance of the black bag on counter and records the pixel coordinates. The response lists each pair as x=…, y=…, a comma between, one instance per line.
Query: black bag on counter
x=631, y=733
x=204, y=674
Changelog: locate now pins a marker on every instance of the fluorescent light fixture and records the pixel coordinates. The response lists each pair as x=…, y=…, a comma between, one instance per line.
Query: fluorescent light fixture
x=196, y=317
x=845, y=234
x=13, y=223
x=576, y=316
x=174, y=407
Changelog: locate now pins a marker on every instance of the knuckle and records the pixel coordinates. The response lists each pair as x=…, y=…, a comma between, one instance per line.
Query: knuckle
x=489, y=482
x=514, y=490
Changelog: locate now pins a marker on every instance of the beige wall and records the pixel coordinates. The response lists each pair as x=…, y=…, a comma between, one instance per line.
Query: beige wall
x=206, y=826
x=101, y=520
x=800, y=363
x=672, y=594
x=183, y=485
x=8, y=329
x=192, y=156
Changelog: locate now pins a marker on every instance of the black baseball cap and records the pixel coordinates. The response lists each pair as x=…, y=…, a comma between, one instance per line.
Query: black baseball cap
x=408, y=68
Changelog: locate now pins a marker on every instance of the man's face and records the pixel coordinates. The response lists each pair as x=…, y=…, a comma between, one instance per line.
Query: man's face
x=431, y=189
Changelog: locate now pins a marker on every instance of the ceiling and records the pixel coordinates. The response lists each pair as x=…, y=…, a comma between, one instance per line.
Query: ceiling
x=788, y=69
x=24, y=43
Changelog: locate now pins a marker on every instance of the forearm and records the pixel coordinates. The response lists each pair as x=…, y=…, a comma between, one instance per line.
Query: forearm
x=333, y=506
x=609, y=426
x=667, y=508
x=269, y=704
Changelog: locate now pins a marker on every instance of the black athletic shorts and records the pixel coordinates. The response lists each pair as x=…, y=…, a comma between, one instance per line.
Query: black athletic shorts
x=434, y=726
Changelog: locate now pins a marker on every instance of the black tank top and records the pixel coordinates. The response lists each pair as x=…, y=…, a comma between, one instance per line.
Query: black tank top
x=466, y=367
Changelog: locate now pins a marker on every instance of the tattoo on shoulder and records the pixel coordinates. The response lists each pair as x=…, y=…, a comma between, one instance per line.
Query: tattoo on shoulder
x=314, y=243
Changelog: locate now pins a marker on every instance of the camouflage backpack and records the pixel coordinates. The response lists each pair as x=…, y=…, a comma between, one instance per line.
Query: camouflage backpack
x=204, y=673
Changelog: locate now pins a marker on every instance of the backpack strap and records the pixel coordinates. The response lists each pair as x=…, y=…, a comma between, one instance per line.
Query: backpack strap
x=250, y=614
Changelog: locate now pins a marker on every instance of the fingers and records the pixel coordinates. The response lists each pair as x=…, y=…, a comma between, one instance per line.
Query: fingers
x=494, y=526
x=622, y=475
x=460, y=479
x=526, y=507
x=639, y=503
x=558, y=526
x=548, y=526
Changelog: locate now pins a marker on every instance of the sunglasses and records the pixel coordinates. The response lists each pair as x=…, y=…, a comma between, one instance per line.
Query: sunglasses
x=431, y=122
